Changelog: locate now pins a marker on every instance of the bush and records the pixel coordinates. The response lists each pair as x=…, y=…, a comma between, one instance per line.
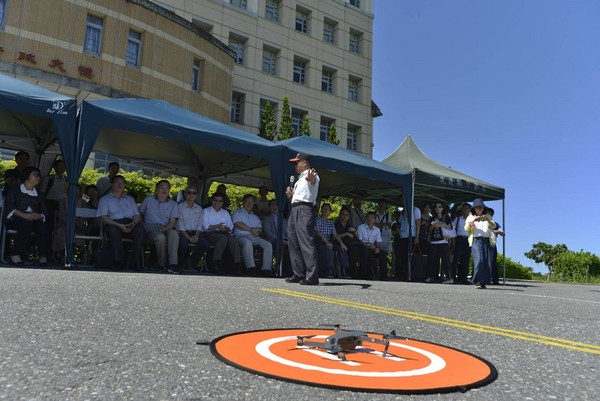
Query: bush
x=576, y=266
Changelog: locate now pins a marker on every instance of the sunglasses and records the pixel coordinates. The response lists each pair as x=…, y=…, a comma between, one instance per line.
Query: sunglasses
x=191, y=192
x=218, y=200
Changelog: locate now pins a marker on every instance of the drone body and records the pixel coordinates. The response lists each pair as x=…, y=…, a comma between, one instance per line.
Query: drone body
x=344, y=341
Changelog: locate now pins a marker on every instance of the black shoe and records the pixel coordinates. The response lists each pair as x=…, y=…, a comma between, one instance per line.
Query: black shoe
x=265, y=273
x=294, y=279
x=309, y=282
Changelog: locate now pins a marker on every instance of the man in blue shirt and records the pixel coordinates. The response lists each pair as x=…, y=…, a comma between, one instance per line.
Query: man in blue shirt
x=160, y=217
x=121, y=219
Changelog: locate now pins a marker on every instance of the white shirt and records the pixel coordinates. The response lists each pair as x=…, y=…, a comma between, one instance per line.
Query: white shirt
x=190, y=218
x=369, y=235
x=248, y=218
x=459, y=224
x=210, y=217
x=404, y=222
x=304, y=191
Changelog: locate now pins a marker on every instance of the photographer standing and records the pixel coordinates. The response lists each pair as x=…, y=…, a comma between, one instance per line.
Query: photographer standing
x=480, y=227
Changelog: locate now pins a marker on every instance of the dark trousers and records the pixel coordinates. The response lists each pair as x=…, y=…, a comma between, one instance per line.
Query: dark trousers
x=325, y=259
x=115, y=238
x=221, y=241
x=401, y=260
x=438, y=252
x=462, y=256
x=494, y=257
x=197, y=252
x=301, y=241
x=24, y=229
x=482, y=260
x=371, y=261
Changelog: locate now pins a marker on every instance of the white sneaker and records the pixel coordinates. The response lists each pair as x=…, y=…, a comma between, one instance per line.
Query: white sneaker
x=449, y=281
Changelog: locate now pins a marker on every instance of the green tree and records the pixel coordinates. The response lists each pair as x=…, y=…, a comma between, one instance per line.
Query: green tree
x=546, y=253
x=332, y=135
x=285, y=128
x=576, y=267
x=305, y=128
x=269, y=123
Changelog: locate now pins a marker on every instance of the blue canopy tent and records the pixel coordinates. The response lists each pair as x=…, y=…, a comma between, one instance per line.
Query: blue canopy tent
x=175, y=140
x=347, y=173
x=343, y=172
x=32, y=118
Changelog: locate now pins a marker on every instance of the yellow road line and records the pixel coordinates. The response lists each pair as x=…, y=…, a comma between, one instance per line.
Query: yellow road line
x=520, y=335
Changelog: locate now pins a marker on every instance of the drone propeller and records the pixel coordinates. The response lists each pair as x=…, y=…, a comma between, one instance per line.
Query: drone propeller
x=335, y=326
x=393, y=336
x=305, y=337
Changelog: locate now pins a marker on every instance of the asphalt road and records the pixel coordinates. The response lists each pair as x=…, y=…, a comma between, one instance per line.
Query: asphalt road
x=78, y=335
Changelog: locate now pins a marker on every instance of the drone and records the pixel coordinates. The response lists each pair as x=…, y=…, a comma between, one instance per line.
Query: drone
x=344, y=341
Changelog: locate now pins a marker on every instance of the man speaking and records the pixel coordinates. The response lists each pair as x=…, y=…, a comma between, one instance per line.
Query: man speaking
x=301, y=223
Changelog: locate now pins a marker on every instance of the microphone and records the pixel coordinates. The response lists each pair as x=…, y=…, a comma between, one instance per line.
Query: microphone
x=292, y=179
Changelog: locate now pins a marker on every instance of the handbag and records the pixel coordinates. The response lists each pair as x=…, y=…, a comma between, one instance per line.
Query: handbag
x=418, y=264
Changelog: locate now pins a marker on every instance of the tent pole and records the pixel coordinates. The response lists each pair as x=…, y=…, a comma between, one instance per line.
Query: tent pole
x=503, y=244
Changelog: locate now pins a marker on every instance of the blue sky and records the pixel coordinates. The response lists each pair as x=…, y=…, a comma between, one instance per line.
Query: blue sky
x=507, y=91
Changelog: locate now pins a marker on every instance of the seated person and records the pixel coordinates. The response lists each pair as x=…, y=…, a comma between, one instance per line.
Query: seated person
x=370, y=237
x=217, y=224
x=189, y=226
x=26, y=213
x=325, y=239
x=13, y=176
x=121, y=219
x=269, y=224
x=160, y=216
x=247, y=229
x=89, y=201
x=348, y=257
x=262, y=203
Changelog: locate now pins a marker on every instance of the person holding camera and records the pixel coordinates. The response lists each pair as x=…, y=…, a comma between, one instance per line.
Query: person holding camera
x=480, y=227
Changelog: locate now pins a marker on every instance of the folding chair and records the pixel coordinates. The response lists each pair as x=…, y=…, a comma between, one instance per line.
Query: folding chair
x=88, y=213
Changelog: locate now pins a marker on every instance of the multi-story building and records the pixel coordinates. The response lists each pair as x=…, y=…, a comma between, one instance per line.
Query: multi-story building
x=92, y=49
x=221, y=58
x=315, y=52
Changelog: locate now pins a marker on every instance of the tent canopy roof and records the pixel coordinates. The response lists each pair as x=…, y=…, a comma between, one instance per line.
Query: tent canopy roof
x=30, y=116
x=435, y=182
x=347, y=173
x=175, y=140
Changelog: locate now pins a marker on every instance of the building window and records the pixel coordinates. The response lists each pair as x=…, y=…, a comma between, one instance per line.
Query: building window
x=327, y=80
x=134, y=44
x=300, y=71
x=297, y=118
x=354, y=44
x=243, y=4
x=93, y=35
x=269, y=61
x=237, y=45
x=329, y=31
x=355, y=3
x=272, y=10
x=324, y=128
x=302, y=21
x=353, y=85
x=237, y=108
x=352, y=137
x=2, y=12
x=196, y=76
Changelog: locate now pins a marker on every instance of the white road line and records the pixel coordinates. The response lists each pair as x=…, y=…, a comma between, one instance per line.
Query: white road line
x=561, y=298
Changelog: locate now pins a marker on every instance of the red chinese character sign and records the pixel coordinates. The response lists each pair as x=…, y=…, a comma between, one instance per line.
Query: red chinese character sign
x=352, y=360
